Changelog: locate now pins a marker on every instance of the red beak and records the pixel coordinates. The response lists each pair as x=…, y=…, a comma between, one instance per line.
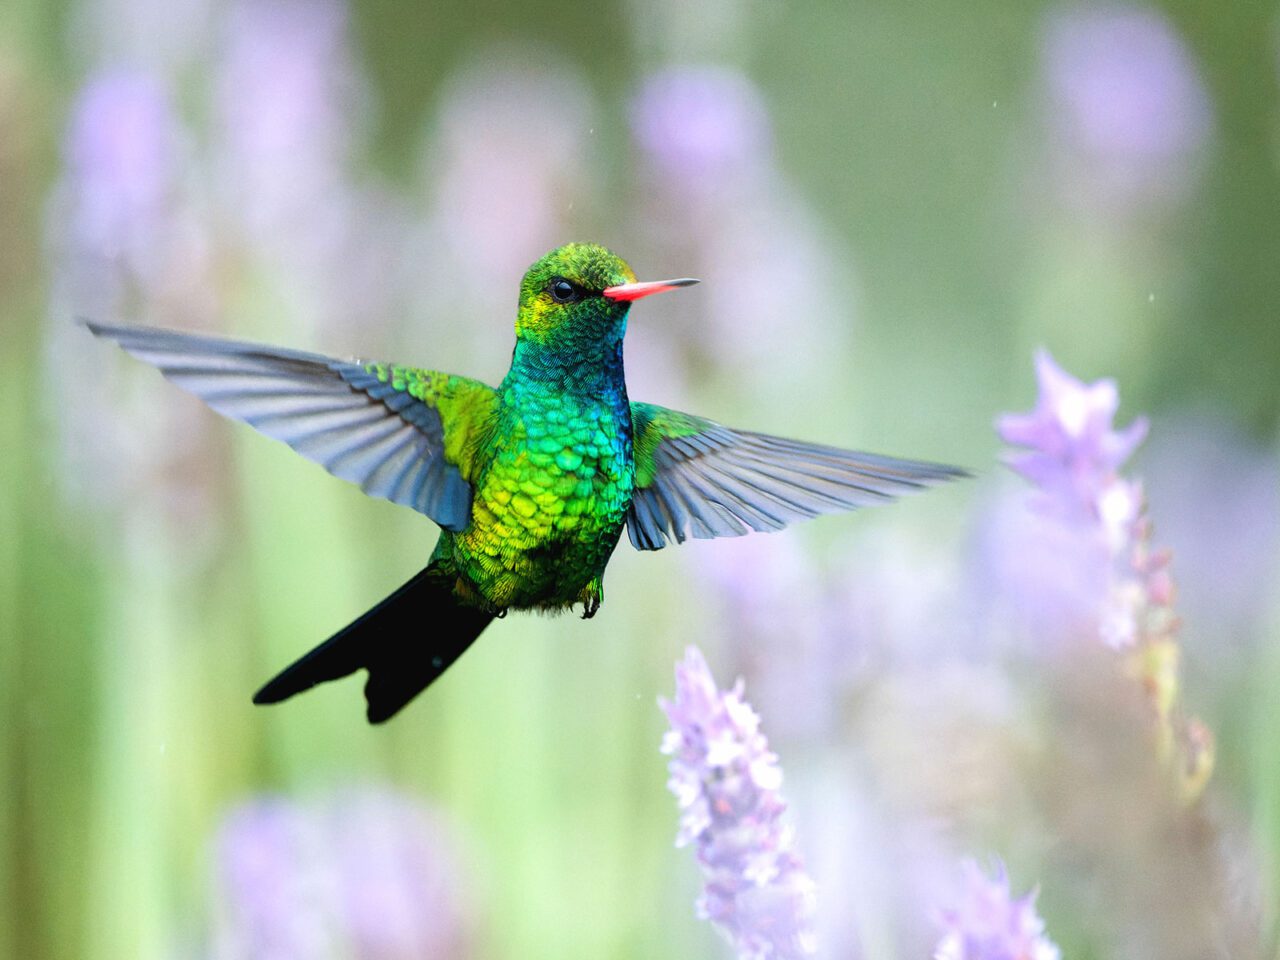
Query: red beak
x=634, y=291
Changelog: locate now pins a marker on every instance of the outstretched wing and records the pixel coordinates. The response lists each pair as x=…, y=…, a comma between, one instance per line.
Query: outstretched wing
x=697, y=478
x=403, y=434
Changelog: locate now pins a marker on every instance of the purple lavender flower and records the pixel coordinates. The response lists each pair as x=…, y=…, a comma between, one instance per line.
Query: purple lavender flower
x=726, y=782
x=986, y=923
x=1072, y=557
x=1097, y=530
x=1131, y=109
x=1074, y=451
x=365, y=873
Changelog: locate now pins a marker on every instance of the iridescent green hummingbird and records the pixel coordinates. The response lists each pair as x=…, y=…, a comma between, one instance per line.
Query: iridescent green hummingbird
x=531, y=482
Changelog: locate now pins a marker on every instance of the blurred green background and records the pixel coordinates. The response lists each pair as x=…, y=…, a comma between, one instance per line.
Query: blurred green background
x=890, y=207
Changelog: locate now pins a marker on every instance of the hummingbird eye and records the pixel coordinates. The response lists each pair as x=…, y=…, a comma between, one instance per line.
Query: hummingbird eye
x=562, y=291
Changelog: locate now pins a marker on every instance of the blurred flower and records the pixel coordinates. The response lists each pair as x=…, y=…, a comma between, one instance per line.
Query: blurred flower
x=1096, y=521
x=1037, y=575
x=783, y=629
x=122, y=221
x=709, y=178
x=1073, y=454
x=703, y=128
x=503, y=188
x=765, y=250
x=292, y=109
x=897, y=593
x=806, y=633
x=1074, y=451
x=368, y=874
x=884, y=861
x=986, y=923
x=1130, y=108
x=500, y=188
x=128, y=240
x=727, y=782
x=290, y=103
x=1155, y=875
x=1219, y=507
x=122, y=154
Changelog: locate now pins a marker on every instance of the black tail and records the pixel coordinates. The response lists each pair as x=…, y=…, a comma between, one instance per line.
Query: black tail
x=405, y=643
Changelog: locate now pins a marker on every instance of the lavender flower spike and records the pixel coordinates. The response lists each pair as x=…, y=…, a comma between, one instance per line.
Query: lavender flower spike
x=1073, y=458
x=988, y=924
x=726, y=782
x=1122, y=585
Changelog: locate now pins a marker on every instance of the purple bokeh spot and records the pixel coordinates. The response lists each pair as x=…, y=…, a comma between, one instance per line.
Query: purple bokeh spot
x=122, y=151
x=1130, y=110
x=365, y=873
x=1126, y=82
x=700, y=123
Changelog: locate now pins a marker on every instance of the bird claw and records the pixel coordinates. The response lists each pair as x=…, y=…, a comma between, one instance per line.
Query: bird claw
x=589, y=608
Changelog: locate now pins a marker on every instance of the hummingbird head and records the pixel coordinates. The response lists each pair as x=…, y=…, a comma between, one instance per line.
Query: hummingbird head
x=580, y=293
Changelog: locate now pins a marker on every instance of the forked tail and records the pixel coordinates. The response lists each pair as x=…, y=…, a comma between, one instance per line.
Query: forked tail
x=405, y=643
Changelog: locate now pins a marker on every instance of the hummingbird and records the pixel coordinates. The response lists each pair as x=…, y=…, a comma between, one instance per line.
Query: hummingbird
x=531, y=482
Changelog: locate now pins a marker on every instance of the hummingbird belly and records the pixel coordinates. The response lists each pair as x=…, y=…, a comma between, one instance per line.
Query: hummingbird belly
x=548, y=511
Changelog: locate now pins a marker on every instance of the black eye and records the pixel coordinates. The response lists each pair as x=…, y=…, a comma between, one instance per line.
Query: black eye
x=562, y=291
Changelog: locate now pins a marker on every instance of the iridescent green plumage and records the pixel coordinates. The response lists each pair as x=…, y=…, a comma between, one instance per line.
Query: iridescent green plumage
x=532, y=482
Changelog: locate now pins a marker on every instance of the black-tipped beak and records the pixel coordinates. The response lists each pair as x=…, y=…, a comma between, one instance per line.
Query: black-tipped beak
x=634, y=291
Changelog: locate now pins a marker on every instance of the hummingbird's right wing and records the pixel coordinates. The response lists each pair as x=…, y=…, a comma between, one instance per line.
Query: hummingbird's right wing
x=697, y=478
x=403, y=434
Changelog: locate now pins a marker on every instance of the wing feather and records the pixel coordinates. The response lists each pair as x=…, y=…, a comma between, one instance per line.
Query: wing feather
x=696, y=478
x=387, y=434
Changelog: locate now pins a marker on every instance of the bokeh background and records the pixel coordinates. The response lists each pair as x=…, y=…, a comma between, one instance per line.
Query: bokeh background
x=890, y=205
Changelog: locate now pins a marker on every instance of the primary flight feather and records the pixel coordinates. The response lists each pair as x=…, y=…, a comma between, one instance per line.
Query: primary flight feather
x=531, y=482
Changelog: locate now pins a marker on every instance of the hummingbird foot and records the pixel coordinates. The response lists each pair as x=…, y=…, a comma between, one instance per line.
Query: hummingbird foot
x=591, y=597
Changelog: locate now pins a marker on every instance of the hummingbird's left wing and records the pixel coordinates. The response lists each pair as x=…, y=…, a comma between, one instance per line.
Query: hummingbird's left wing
x=401, y=433
x=697, y=478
